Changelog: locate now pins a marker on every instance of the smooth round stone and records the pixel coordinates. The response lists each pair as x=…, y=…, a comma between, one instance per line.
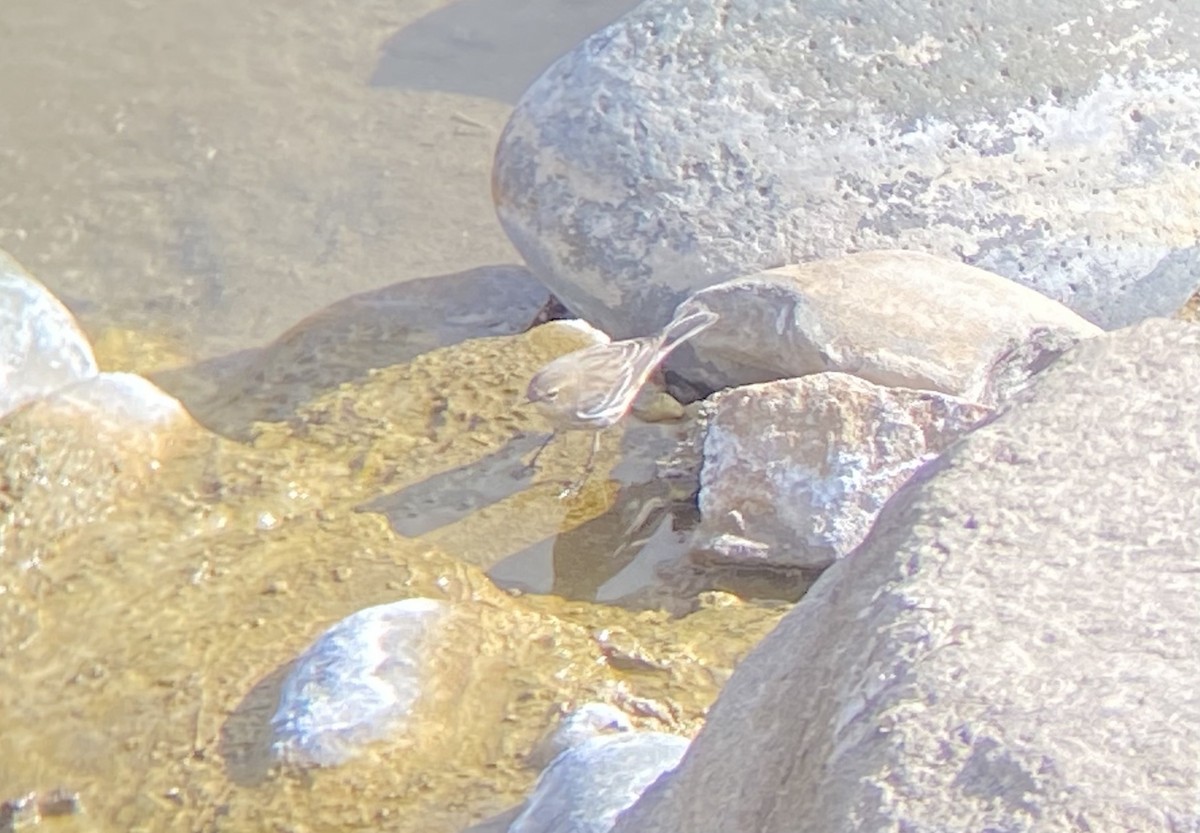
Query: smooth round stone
x=691, y=142
x=896, y=318
x=41, y=346
x=586, y=787
x=356, y=684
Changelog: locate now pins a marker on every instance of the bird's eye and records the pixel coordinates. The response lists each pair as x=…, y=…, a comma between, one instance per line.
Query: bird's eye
x=551, y=394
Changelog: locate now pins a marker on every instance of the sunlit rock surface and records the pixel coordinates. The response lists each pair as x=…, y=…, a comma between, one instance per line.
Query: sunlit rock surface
x=795, y=471
x=357, y=683
x=1014, y=648
x=894, y=318
x=41, y=345
x=690, y=143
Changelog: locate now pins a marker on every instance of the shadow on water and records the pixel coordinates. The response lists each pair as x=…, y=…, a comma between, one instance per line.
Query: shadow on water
x=344, y=342
x=450, y=496
x=611, y=557
x=246, y=736
x=490, y=48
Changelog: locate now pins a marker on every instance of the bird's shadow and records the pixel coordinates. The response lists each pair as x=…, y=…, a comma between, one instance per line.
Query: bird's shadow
x=449, y=496
x=608, y=557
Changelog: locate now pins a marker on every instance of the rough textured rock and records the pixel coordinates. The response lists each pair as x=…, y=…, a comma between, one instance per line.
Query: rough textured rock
x=1014, y=648
x=895, y=318
x=795, y=471
x=584, y=789
x=691, y=142
x=41, y=347
x=356, y=684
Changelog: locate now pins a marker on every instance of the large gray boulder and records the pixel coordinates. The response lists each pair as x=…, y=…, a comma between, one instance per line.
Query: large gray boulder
x=692, y=142
x=1013, y=648
x=357, y=683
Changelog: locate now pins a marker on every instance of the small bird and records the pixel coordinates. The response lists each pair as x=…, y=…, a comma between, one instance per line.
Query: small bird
x=593, y=388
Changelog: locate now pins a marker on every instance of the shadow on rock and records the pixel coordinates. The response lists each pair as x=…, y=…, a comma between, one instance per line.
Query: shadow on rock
x=344, y=342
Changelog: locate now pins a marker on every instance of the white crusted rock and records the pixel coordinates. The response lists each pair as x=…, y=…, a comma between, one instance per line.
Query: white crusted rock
x=356, y=684
x=587, y=786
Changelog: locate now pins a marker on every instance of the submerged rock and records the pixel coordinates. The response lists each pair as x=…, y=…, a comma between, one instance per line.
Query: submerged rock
x=67, y=457
x=356, y=684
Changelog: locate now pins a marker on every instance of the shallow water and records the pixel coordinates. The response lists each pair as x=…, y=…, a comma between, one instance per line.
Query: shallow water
x=144, y=649
x=216, y=171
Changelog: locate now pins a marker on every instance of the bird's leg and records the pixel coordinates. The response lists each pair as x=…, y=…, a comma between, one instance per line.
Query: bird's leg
x=533, y=460
x=577, y=483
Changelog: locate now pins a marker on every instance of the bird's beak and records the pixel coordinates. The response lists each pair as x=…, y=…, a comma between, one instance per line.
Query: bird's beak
x=522, y=401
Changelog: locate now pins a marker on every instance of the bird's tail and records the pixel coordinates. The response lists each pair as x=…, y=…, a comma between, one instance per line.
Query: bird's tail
x=690, y=319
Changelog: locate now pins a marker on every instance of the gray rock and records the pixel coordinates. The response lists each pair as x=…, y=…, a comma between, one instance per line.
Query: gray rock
x=41, y=347
x=355, y=684
x=588, y=721
x=796, y=471
x=585, y=788
x=1014, y=648
x=691, y=142
x=895, y=318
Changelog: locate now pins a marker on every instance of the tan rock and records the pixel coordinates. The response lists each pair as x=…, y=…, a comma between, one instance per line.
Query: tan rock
x=896, y=318
x=66, y=458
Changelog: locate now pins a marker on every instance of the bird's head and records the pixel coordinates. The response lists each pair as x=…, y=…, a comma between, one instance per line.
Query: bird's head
x=544, y=387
